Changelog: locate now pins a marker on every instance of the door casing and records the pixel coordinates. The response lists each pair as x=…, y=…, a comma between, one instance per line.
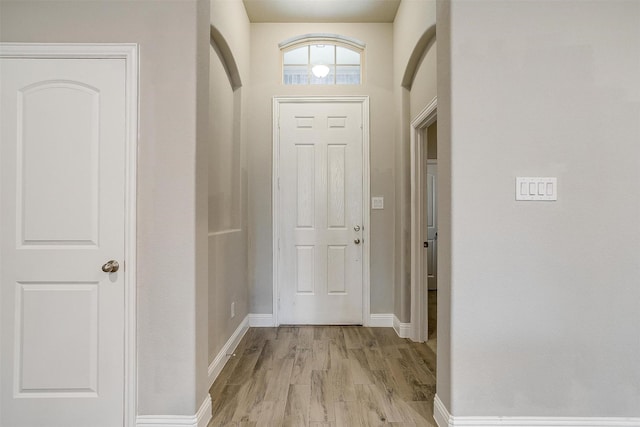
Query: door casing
x=364, y=100
x=128, y=52
x=419, y=318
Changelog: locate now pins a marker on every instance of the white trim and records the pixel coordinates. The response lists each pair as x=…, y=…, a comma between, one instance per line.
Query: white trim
x=419, y=316
x=381, y=320
x=257, y=320
x=200, y=419
x=316, y=37
x=131, y=350
x=402, y=329
x=366, y=191
x=366, y=213
x=444, y=419
x=128, y=52
x=205, y=413
x=229, y=347
x=441, y=415
x=275, y=208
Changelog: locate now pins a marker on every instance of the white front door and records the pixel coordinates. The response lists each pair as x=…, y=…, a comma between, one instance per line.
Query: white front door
x=62, y=213
x=321, y=214
x=432, y=225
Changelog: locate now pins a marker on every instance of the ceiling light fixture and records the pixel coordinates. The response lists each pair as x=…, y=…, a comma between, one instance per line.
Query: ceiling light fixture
x=320, y=71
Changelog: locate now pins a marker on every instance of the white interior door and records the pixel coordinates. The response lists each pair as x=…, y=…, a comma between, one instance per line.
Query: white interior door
x=321, y=215
x=62, y=214
x=432, y=225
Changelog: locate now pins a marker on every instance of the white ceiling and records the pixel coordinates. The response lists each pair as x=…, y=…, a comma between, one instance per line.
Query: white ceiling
x=321, y=10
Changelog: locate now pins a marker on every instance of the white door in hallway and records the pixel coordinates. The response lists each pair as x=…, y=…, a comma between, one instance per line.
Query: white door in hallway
x=432, y=225
x=62, y=213
x=321, y=213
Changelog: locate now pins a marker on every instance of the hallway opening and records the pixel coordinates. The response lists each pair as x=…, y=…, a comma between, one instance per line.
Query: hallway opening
x=397, y=79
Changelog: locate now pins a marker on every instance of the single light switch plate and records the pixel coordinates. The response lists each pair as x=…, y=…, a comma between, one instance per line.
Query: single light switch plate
x=536, y=188
x=377, y=203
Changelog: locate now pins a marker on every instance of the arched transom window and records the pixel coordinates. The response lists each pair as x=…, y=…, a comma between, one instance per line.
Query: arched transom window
x=322, y=59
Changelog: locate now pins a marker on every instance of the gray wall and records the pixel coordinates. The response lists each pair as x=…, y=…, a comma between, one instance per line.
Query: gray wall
x=424, y=87
x=432, y=141
x=443, y=34
x=171, y=276
x=545, y=312
x=201, y=263
x=228, y=195
x=413, y=20
x=266, y=82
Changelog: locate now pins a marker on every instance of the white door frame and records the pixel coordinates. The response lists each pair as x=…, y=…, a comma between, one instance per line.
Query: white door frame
x=364, y=100
x=419, y=318
x=128, y=52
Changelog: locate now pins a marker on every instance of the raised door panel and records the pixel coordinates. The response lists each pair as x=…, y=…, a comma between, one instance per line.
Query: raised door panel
x=336, y=186
x=305, y=269
x=56, y=348
x=336, y=269
x=305, y=185
x=57, y=144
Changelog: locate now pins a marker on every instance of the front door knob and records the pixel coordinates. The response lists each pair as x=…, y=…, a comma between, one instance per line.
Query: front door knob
x=111, y=266
x=357, y=241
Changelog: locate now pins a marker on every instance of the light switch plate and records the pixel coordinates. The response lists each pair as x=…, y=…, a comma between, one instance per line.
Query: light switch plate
x=536, y=188
x=377, y=203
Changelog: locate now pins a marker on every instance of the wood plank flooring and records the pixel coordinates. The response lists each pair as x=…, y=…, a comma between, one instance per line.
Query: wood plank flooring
x=325, y=376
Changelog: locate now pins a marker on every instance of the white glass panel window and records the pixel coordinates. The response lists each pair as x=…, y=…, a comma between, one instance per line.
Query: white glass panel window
x=323, y=63
x=296, y=75
x=329, y=79
x=348, y=74
x=346, y=56
x=299, y=56
x=322, y=54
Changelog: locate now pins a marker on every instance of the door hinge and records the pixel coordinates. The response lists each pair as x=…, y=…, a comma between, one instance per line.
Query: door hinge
x=278, y=183
x=425, y=244
x=278, y=243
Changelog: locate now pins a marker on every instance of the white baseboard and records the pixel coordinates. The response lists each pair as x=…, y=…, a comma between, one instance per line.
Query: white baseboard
x=229, y=347
x=389, y=320
x=261, y=320
x=402, y=329
x=381, y=320
x=444, y=419
x=200, y=419
x=441, y=414
x=205, y=413
x=376, y=320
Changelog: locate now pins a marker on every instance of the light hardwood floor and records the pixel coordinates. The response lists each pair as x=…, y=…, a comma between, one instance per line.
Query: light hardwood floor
x=320, y=376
